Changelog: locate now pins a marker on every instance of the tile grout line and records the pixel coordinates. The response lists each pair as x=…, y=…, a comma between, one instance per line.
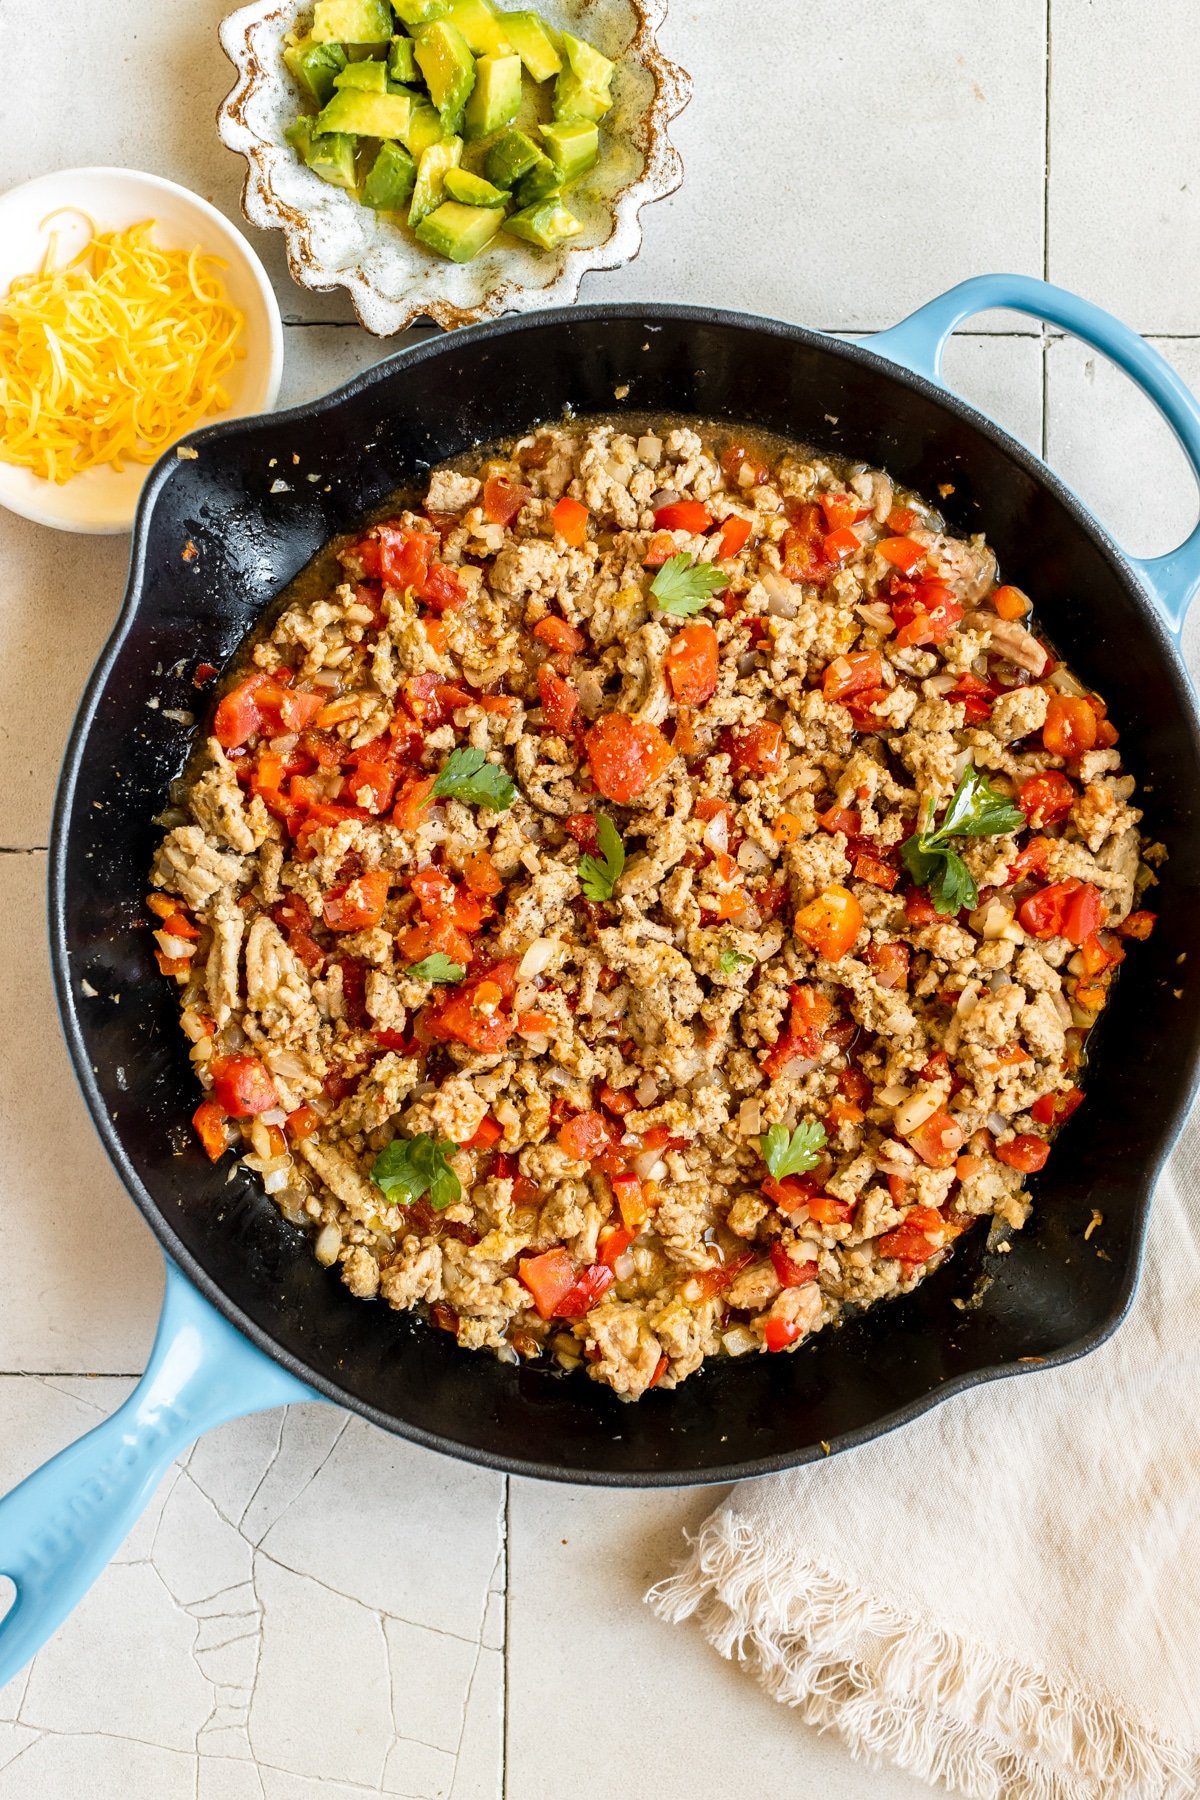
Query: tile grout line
x=505, y=1660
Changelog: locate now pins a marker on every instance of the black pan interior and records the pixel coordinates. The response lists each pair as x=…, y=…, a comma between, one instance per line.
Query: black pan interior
x=217, y=537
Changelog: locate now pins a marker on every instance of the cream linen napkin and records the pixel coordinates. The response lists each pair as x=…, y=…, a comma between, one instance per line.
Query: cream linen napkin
x=1003, y=1597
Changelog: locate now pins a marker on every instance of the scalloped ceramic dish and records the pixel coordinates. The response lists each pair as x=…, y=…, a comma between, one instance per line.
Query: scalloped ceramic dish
x=332, y=241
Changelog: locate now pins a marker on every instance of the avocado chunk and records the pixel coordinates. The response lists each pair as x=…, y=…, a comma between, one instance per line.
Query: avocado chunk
x=495, y=98
x=533, y=43
x=364, y=77
x=484, y=32
x=351, y=22
x=546, y=225
x=390, y=180
x=573, y=99
x=584, y=60
x=331, y=157
x=401, y=64
x=573, y=146
x=459, y=232
x=314, y=66
x=430, y=189
x=540, y=181
x=367, y=115
x=448, y=68
x=510, y=157
x=424, y=128
x=420, y=12
x=473, y=190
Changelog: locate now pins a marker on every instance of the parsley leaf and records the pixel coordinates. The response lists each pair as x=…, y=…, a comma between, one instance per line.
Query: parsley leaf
x=467, y=775
x=409, y=1167
x=599, y=875
x=975, y=810
x=683, y=586
x=794, y=1153
x=437, y=967
x=728, y=960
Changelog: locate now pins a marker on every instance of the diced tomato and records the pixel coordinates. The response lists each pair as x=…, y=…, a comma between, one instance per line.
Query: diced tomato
x=337, y=711
x=372, y=785
x=558, y=636
x=877, y=872
x=840, y=818
x=906, y=1245
x=810, y=1012
x=481, y=875
x=839, y=546
x=855, y=1085
x=904, y=553
x=925, y=615
x=503, y=500
x=659, y=550
x=632, y=1197
x=901, y=519
x=1046, y=799
x=779, y=1333
x=571, y=521
x=938, y=1141
x=204, y=673
x=693, y=663
x=1099, y=953
x=177, y=924
x=890, y=962
x=683, y=515
x=298, y=708
x=848, y=675
x=412, y=804
x=614, y=1242
x=830, y=924
x=1024, y=1152
x=841, y=510
x=586, y=1136
x=404, y=557
x=626, y=755
x=359, y=904
x=735, y=534
x=975, y=696
x=549, y=1278
x=936, y=1068
x=803, y=547
x=791, y=1274
x=919, y=909
x=617, y=1100
x=897, y=1188
x=1011, y=603
x=486, y=1136
x=1070, y=728
x=1056, y=1109
x=241, y=1086
x=1030, y=860
x=472, y=1013
x=582, y=827
x=737, y=461
x=302, y=1123
x=826, y=1209
x=560, y=702
x=759, y=749
x=1072, y=909
x=716, y=1279
x=208, y=1121
x=586, y=1291
x=862, y=708
x=442, y=590
x=238, y=716
x=1138, y=925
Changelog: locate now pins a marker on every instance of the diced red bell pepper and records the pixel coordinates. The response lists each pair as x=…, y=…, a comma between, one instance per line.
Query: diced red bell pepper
x=1056, y=1109
x=302, y=1123
x=558, y=636
x=242, y=1087
x=614, y=1242
x=1024, y=1152
x=413, y=802
x=587, y=1291
x=842, y=510
x=1070, y=728
x=874, y=870
x=549, y=1278
x=890, y=962
x=238, y=716
x=560, y=702
x=1137, y=925
x=847, y=675
x=906, y=1245
x=359, y=904
x=779, y=1333
x=904, y=553
x=830, y=924
x=209, y=1123
x=473, y=1014
x=487, y=1134
x=683, y=515
x=803, y=547
x=759, y=749
x=404, y=557
x=735, y=534
x=927, y=615
x=938, y=1141
x=571, y=521
x=810, y=1013
x=839, y=546
x=582, y=827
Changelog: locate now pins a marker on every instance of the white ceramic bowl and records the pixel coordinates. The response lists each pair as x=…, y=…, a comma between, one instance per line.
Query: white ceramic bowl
x=332, y=241
x=101, y=500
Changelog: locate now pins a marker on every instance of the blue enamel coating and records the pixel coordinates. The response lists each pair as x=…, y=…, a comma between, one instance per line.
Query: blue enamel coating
x=64, y=1522
x=918, y=342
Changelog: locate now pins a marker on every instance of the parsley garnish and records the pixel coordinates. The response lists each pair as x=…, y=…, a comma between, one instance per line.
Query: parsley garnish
x=467, y=775
x=682, y=586
x=599, y=875
x=437, y=967
x=409, y=1167
x=975, y=810
x=794, y=1153
x=728, y=960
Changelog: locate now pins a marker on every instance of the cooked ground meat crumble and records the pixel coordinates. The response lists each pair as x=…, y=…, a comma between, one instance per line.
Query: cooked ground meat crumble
x=653, y=897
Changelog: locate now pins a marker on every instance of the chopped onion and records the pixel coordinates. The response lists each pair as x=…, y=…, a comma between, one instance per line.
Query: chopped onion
x=327, y=1245
x=892, y=1095
x=782, y=600
x=664, y=497
x=283, y=746
x=537, y=958
x=1062, y=1006
x=327, y=678
x=752, y=856
x=941, y=684
x=750, y=1119
x=648, y=1165
x=914, y=1111
x=715, y=835
x=798, y=1066
x=997, y=1124
x=285, y=1063
x=275, y=1180
x=876, y=614
x=647, y=1091
x=624, y=1266
x=276, y=1116
x=1065, y=682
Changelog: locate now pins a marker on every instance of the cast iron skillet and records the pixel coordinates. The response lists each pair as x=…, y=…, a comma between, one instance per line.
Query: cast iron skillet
x=216, y=538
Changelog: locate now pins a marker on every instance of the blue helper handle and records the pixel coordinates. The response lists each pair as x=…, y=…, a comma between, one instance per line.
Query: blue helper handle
x=65, y=1521
x=918, y=341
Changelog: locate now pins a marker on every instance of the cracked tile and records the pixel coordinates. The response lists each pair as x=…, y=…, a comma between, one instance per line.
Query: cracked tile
x=98, y=1764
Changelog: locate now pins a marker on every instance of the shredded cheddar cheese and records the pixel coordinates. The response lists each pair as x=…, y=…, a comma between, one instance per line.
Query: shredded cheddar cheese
x=113, y=356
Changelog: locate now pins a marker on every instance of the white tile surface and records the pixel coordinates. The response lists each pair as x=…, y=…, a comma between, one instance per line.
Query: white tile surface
x=308, y=1610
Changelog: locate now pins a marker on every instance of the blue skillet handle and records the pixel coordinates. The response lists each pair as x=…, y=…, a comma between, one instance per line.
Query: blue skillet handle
x=65, y=1521
x=918, y=342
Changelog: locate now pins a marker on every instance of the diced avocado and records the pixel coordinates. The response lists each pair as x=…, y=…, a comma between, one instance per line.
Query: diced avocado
x=332, y=157
x=459, y=232
x=484, y=32
x=364, y=77
x=424, y=129
x=448, y=68
x=573, y=99
x=496, y=97
x=431, y=172
x=510, y=157
x=367, y=115
x=401, y=64
x=573, y=146
x=533, y=43
x=351, y=22
x=548, y=224
x=584, y=60
x=391, y=179
x=420, y=12
x=473, y=190
x=540, y=181
x=314, y=66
